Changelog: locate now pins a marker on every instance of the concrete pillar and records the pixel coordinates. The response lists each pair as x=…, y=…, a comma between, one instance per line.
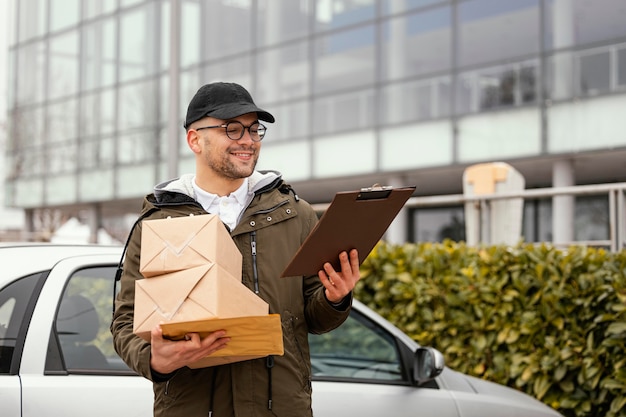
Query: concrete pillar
x=563, y=36
x=397, y=45
x=563, y=207
x=29, y=225
x=174, y=123
x=396, y=63
x=273, y=64
x=398, y=231
x=94, y=220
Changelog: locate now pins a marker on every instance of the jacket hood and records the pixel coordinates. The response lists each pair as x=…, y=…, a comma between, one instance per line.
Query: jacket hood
x=180, y=190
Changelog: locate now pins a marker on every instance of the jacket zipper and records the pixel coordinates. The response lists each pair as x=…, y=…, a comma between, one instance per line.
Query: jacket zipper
x=255, y=272
x=269, y=364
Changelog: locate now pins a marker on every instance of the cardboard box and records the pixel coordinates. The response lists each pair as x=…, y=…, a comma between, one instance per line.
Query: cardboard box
x=192, y=284
x=203, y=292
x=250, y=337
x=178, y=243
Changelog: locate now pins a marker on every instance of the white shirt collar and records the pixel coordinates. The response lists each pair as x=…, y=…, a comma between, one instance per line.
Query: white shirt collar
x=228, y=213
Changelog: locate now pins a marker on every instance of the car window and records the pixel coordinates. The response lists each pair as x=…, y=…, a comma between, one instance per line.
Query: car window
x=82, y=323
x=358, y=349
x=17, y=301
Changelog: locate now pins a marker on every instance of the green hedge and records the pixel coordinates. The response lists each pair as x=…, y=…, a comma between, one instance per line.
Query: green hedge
x=549, y=322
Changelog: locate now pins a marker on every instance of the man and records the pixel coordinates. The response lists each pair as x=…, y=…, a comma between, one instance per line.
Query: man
x=268, y=223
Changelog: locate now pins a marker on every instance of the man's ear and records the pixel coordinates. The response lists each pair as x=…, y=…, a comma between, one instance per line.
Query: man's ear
x=193, y=141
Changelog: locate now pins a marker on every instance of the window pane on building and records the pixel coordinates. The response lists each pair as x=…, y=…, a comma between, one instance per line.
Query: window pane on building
x=591, y=218
x=344, y=112
x=237, y=70
x=190, y=33
x=621, y=66
x=437, y=224
x=496, y=30
x=399, y=6
x=64, y=13
x=501, y=86
x=97, y=113
x=282, y=20
x=138, y=105
x=417, y=44
x=98, y=61
x=537, y=220
x=64, y=60
x=333, y=14
x=416, y=100
x=33, y=15
x=579, y=22
x=96, y=152
x=62, y=122
x=62, y=158
x=595, y=73
x=138, y=147
x=226, y=27
x=292, y=121
x=345, y=59
x=139, y=34
x=283, y=73
x=94, y=8
x=31, y=60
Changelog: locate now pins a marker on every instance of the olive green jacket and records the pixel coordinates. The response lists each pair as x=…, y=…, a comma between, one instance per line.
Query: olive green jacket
x=275, y=223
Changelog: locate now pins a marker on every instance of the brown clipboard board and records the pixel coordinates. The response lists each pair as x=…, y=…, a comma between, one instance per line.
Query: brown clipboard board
x=354, y=219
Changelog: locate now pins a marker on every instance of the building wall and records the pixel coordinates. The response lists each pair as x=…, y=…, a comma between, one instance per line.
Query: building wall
x=360, y=89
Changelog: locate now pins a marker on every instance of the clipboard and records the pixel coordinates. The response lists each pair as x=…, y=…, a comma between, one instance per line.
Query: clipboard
x=354, y=219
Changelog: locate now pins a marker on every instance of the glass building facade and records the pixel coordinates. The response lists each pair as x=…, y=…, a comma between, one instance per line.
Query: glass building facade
x=390, y=91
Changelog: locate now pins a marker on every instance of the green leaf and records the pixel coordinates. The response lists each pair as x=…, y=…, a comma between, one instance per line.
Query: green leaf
x=618, y=404
x=560, y=372
x=541, y=386
x=616, y=328
x=610, y=383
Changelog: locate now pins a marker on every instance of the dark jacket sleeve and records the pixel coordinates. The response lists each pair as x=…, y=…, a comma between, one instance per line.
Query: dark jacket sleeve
x=132, y=349
x=320, y=314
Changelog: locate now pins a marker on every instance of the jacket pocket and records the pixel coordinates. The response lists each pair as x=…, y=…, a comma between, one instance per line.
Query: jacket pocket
x=296, y=349
x=165, y=392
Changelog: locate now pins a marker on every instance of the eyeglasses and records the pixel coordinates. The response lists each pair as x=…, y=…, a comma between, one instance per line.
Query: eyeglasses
x=235, y=130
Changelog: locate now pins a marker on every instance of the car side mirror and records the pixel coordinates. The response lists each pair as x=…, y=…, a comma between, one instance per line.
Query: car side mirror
x=428, y=364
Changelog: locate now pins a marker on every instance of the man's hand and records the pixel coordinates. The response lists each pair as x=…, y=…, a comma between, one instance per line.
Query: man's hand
x=339, y=284
x=168, y=355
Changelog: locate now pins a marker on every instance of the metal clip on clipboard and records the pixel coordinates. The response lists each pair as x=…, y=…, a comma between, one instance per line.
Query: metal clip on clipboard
x=374, y=192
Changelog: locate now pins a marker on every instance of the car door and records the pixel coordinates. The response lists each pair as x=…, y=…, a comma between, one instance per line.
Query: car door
x=69, y=367
x=17, y=300
x=363, y=370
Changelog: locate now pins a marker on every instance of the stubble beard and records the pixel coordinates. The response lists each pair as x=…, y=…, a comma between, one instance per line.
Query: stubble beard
x=226, y=168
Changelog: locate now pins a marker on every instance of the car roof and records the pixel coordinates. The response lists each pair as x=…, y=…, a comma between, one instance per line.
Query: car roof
x=25, y=258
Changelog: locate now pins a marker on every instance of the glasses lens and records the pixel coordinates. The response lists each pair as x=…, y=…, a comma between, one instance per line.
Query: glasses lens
x=234, y=130
x=257, y=131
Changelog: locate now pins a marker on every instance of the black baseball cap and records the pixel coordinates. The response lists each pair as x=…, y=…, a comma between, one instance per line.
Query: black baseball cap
x=223, y=101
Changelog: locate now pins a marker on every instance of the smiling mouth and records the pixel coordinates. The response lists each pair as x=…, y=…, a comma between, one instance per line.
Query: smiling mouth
x=244, y=155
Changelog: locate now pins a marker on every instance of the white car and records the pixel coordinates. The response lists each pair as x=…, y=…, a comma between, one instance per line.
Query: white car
x=57, y=358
